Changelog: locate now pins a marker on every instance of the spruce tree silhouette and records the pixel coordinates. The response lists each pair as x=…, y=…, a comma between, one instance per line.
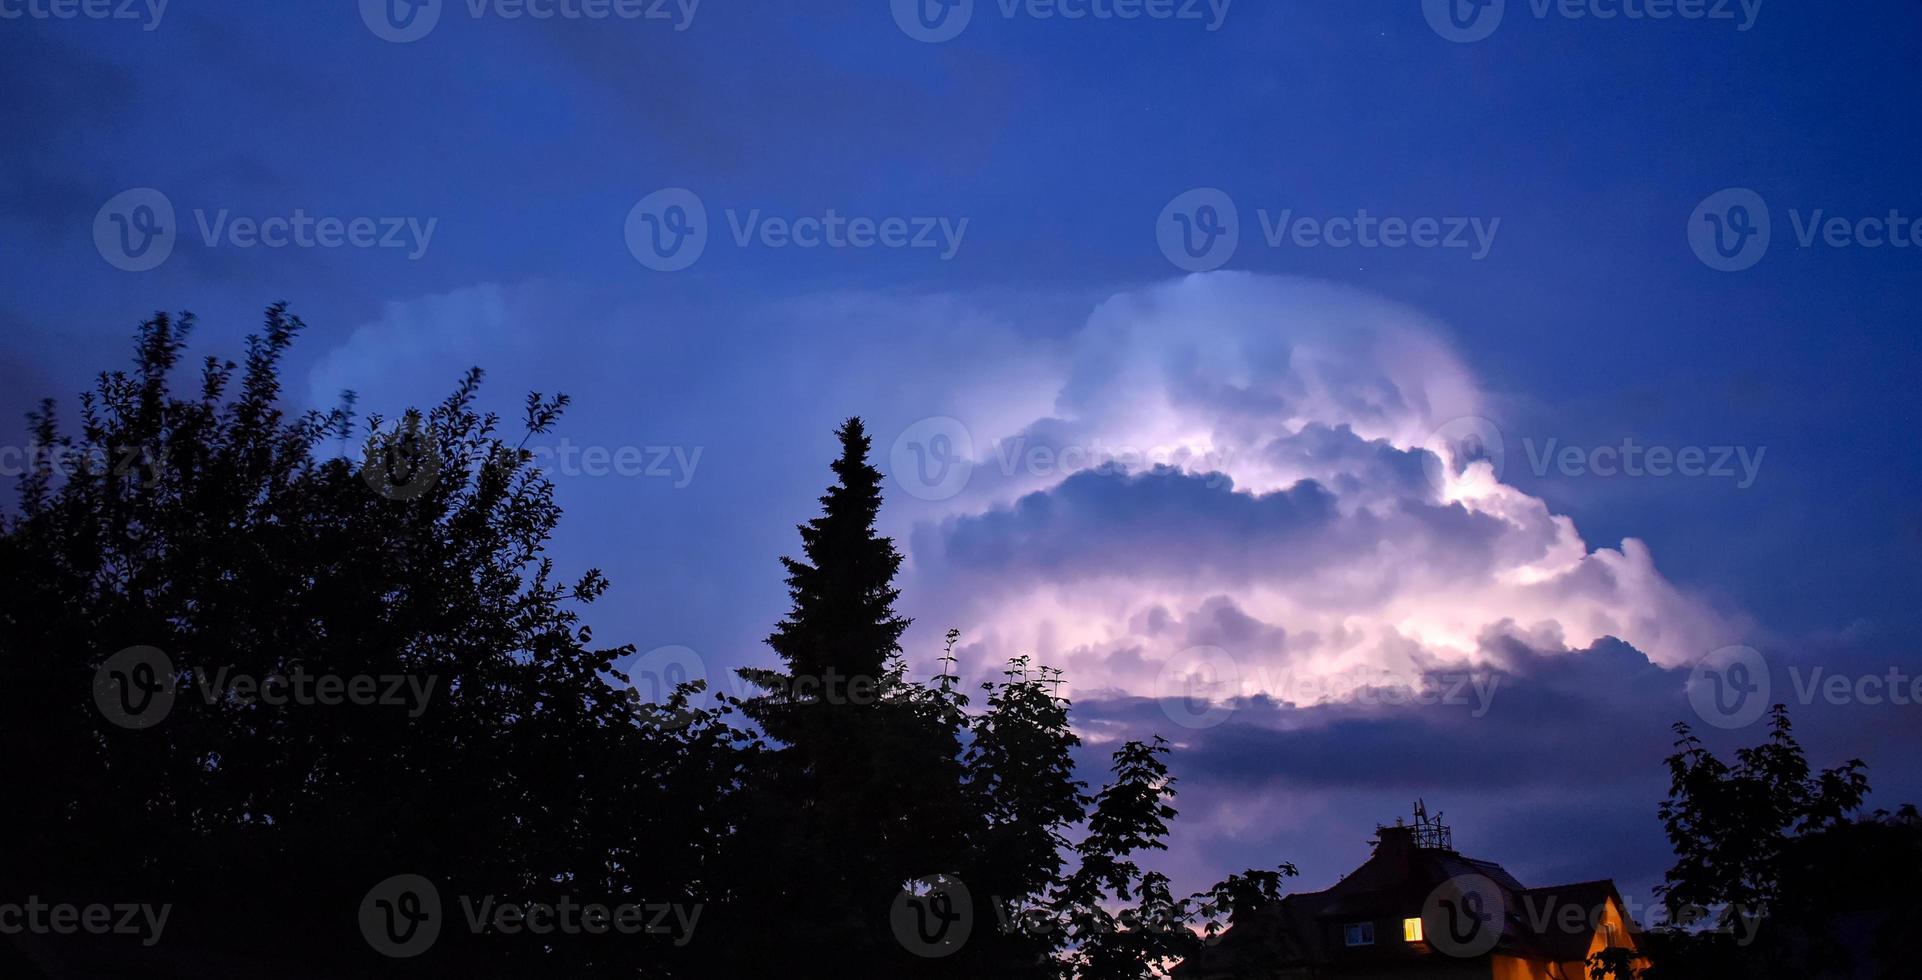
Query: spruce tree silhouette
x=843, y=621
x=864, y=790
x=873, y=790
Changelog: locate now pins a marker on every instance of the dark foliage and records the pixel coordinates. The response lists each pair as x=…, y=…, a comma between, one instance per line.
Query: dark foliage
x=1776, y=874
x=503, y=756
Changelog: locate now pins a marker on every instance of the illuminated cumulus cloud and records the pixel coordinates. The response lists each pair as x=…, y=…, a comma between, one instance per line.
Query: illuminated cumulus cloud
x=1286, y=476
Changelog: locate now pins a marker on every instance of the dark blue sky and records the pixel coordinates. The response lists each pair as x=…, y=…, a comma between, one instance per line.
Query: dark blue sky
x=1589, y=321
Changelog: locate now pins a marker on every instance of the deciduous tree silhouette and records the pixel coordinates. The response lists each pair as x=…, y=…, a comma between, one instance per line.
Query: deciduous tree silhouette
x=208, y=526
x=1773, y=858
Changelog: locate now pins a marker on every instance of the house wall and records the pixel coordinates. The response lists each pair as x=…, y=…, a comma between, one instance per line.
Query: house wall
x=1624, y=934
x=1517, y=968
x=1430, y=970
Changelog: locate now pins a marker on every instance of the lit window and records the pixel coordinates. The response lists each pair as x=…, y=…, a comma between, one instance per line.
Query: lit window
x=1411, y=930
x=1361, y=934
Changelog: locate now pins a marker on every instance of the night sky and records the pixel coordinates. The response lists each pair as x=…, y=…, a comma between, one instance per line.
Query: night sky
x=1259, y=364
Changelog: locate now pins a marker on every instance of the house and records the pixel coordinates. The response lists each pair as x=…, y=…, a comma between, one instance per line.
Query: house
x=1419, y=908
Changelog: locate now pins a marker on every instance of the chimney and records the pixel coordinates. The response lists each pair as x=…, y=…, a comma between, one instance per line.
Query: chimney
x=1427, y=834
x=1394, y=841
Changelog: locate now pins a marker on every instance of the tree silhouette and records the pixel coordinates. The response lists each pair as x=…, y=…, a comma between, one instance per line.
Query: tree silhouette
x=1152, y=930
x=1771, y=857
x=861, y=789
x=202, y=611
x=218, y=535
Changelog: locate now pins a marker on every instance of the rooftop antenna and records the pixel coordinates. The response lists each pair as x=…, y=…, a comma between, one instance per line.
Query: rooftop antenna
x=1430, y=833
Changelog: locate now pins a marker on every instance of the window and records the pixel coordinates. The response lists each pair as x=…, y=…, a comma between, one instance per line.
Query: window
x=1411, y=930
x=1361, y=933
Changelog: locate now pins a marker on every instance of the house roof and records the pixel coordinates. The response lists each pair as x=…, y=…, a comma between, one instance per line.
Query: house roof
x=1395, y=883
x=1542, y=911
